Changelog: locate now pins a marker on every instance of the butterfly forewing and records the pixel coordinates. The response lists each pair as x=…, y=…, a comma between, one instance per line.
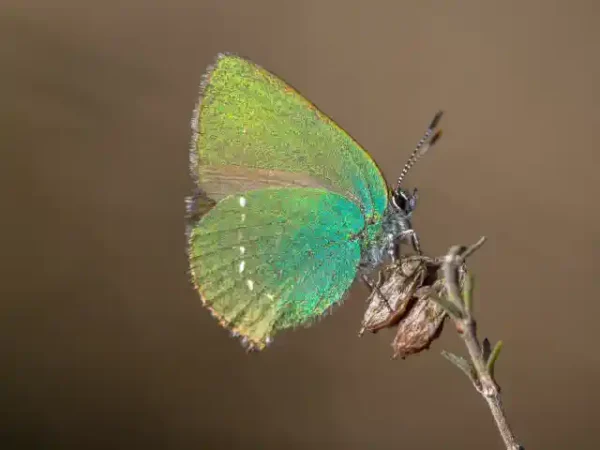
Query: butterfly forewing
x=250, y=122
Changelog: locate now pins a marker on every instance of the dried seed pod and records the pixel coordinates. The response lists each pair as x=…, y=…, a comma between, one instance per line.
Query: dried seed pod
x=391, y=299
x=422, y=324
x=408, y=287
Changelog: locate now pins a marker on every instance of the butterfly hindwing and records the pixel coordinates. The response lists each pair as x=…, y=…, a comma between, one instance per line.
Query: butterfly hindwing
x=275, y=258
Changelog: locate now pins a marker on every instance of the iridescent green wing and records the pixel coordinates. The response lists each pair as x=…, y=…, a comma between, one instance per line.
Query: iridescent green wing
x=252, y=131
x=275, y=258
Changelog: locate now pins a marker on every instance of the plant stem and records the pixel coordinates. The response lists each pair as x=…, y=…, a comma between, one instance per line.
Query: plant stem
x=483, y=370
x=487, y=386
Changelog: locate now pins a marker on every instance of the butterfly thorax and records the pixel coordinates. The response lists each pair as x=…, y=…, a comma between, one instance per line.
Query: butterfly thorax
x=382, y=242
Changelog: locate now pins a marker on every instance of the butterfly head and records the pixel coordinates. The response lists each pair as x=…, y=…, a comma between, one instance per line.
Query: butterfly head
x=404, y=201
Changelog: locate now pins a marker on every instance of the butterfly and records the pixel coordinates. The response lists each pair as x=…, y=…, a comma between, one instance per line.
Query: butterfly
x=287, y=208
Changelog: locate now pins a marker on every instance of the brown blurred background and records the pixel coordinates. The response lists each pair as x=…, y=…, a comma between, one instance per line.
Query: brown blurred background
x=103, y=343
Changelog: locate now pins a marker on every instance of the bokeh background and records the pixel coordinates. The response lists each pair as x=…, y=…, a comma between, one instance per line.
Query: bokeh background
x=104, y=345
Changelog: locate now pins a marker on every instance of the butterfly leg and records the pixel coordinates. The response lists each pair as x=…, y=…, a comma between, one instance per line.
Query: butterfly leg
x=413, y=237
x=394, y=252
x=375, y=287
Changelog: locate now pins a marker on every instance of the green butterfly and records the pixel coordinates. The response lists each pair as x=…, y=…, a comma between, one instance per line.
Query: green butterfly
x=288, y=207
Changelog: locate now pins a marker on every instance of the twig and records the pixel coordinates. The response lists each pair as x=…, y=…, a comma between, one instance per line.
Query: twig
x=480, y=368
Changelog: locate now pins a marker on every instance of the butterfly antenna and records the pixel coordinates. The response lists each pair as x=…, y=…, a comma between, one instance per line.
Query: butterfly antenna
x=426, y=142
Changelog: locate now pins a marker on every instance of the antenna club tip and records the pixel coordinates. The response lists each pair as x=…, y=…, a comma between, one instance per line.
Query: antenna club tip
x=436, y=137
x=436, y=119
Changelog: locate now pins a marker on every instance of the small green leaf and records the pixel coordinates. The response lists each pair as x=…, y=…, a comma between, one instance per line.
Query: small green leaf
x=452, y=283
x=467, y=292
x=491, y=361
x=462, y=364
x=452, y=309
x=486, y=349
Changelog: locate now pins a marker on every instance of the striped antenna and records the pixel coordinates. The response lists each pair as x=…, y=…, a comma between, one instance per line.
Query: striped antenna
x=423, y=145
